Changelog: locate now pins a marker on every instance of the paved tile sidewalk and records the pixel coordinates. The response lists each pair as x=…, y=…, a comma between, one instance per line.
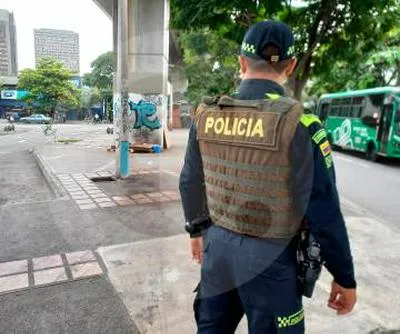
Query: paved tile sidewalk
x=30, y=273
x=87, y=195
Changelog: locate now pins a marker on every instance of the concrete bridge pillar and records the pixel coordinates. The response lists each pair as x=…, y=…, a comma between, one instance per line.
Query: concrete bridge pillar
x=141, y=88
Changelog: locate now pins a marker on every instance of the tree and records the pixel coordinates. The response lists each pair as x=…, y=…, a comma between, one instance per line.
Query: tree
x=318, y=25
x=210, y=63
x=89, y=97
x=101, y=77
x=49, y=85
x=375, y=67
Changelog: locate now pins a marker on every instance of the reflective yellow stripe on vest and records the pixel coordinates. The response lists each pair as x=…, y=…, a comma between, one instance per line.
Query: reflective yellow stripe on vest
x=273, y=96
x=308, y=119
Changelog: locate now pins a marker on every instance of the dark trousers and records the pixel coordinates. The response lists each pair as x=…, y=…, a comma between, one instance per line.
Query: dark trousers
x=243, y=275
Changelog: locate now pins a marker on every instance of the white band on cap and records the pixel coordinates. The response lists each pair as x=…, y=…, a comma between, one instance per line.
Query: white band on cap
x=274, y=59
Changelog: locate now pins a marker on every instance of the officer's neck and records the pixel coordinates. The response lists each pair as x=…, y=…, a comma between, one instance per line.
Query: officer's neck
x=279, y=79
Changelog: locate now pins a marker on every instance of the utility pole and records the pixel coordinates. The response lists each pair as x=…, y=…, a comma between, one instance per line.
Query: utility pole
x=120, y=23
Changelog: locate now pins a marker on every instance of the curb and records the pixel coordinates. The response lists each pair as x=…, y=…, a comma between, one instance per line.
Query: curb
x=50, y=177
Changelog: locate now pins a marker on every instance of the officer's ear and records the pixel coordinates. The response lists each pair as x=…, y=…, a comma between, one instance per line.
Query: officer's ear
x=290, y=67
x=243, y=65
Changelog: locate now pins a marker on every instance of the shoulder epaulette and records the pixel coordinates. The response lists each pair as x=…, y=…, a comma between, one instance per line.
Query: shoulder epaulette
x=308, y=119
x=273, y=96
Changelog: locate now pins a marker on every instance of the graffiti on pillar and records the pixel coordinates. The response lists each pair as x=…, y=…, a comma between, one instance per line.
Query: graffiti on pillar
x=145, y=115
x=155, y=99
x=142, y=111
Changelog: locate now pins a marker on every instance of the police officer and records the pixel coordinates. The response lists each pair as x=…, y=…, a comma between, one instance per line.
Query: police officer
x=259, y=182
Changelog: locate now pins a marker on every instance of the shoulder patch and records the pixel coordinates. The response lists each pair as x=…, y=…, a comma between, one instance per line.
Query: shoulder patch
x=327, y=153
x=308, y=119
x=328, y=161
x=319, y=136
x=325, y=148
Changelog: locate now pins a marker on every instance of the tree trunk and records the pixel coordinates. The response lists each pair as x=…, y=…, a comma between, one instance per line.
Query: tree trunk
x=52, y=112
x=316, y=35
x=298, y=88
x=299, y=80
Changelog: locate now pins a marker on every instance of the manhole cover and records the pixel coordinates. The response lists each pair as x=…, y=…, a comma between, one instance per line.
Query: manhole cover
x=104, y=179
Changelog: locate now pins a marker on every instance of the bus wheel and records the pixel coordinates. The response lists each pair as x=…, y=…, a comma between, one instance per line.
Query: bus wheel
x=371, y=153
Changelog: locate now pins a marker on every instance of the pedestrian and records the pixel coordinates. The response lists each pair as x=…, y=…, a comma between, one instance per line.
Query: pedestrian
x=256, y=178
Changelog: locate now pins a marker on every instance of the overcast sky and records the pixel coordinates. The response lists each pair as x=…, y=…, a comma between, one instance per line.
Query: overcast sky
x=81, y=16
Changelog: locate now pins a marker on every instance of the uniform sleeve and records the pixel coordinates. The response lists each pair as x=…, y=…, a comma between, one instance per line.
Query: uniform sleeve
x=317, y=197
x=191, y=181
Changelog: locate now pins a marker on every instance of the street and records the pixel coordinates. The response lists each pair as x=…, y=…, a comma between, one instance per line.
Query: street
x=97, y=246
x=372, y=186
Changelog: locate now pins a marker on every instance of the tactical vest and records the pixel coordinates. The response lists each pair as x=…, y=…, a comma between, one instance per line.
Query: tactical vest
x=245, y=152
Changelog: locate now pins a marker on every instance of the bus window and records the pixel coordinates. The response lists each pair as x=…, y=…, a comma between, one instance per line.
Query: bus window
x=359, y=100
x=377, y=100
x=344, y=107
x=373, y=109
x=357, y=106
x=356, y=111
x=346, y=111
x=324, y=112
x=346, y=102
x=334, y=111
x=397, y=123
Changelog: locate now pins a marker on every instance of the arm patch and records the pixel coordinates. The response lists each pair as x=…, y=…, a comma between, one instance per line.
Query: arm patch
x=319, y=136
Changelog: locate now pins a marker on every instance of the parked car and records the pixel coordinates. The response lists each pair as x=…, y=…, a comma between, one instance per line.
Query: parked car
x=36, y=119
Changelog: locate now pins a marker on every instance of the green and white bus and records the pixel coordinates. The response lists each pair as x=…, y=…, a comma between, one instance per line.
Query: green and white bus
x=364, y=120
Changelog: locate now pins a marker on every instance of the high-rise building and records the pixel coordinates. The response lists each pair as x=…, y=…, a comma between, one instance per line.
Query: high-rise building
x=8, y=44
x=59, y=44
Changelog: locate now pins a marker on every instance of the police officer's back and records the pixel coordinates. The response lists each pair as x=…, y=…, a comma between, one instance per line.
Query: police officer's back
x=260, y=171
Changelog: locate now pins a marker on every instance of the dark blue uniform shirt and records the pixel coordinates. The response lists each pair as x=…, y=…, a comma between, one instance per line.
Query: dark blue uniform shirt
x=314, y=187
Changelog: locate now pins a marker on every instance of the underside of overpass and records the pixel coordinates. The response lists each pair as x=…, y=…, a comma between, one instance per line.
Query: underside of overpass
x=148, y=73
x=175, y=56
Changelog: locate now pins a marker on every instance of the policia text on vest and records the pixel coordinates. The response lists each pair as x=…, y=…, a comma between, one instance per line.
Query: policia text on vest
x=235, y=126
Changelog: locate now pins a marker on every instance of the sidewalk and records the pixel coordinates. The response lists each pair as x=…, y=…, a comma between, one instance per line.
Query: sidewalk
x=112, y=256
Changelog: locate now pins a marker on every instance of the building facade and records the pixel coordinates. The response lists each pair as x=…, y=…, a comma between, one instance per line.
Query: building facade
x=8, y=44
x=59, y=44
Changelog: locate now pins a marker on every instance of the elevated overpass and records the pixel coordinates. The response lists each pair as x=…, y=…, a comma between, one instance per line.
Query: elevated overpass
x=146, y=57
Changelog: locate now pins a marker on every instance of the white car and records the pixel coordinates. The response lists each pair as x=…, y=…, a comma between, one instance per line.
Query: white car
x=36, y=119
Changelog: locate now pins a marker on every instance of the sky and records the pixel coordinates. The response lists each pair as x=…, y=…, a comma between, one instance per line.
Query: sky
x=81, y=16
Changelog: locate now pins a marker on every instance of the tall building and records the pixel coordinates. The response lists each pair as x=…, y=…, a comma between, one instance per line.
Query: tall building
x=60, y=44
x=8, y=44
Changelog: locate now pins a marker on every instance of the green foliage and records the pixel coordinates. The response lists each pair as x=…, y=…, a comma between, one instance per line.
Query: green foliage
x=101, y=80
x=332, y=36
x=49, y=85
x=360, y=68
x=210, y=63
x=90, y=96
x=102, y=73
x=228, y=18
